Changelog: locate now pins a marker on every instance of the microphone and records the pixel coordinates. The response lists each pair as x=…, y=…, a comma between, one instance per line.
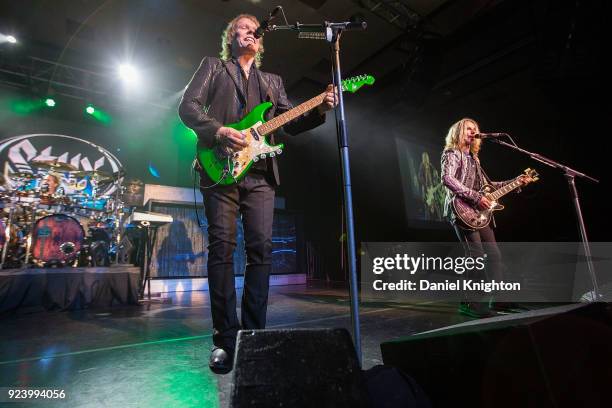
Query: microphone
x=265, y=24
x=488, y=135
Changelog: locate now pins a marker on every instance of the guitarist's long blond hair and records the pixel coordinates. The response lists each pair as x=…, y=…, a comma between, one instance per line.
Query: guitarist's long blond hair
x=456, y=134
x=228, y=36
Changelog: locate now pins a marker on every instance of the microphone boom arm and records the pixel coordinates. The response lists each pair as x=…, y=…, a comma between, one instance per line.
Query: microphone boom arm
x=570, y=175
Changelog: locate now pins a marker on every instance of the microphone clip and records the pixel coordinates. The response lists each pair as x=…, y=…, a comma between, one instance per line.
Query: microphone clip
x=265, y=26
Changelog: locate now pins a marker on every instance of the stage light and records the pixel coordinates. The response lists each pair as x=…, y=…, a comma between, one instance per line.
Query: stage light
x=128, y=73
x=98, y=114
x=50, y=102
x=7, y=38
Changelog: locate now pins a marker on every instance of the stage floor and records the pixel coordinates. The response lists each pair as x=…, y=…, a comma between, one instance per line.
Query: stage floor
x=156, y=355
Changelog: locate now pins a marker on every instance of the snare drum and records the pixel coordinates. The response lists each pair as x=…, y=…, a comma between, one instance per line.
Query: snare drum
x=53, y=203
x=56, y=239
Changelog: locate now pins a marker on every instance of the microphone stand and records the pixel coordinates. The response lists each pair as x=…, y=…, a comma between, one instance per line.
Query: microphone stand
x=331, y=32
x=570, y=175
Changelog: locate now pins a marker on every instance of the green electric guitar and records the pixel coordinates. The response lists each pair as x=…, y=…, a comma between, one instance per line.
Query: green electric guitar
x=226, y=168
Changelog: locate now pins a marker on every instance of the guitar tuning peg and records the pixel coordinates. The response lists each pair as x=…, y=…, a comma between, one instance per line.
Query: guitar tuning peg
x=272, y=154
x=263, y=155
x=255, y=159
x=279, y=151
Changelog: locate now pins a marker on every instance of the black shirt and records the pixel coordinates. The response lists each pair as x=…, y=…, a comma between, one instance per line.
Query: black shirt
x=473, y=179
x=251, y=91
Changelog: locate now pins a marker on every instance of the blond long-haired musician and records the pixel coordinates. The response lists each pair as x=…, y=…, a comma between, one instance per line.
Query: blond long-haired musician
x=463, y=176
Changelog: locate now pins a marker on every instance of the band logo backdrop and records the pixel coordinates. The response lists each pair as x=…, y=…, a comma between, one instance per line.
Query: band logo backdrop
x=17, y=152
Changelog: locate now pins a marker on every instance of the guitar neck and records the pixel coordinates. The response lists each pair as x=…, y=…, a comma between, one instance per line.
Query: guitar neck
x=279, y=121
x=497, y=194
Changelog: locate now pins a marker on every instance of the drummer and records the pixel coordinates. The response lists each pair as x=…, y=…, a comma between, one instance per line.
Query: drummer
x=51, y=184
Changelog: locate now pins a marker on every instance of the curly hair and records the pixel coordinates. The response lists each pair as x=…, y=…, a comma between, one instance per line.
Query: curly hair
x=228, y=36
x=456, y=134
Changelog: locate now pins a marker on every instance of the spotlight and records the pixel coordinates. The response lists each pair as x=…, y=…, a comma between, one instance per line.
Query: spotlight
x=7, y=38
x=98, y=114
x=128, y=73
x=50, y=102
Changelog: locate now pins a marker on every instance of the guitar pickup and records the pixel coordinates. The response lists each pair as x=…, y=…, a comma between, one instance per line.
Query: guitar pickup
x=255, y=134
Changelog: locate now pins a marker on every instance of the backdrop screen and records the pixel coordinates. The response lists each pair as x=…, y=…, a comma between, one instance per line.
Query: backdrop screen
x=421, y=186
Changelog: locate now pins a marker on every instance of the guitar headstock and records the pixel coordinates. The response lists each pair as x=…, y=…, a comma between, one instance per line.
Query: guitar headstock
x=353, y=84
x=532, y=174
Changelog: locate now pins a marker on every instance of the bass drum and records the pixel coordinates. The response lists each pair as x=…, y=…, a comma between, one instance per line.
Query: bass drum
x=56, y=240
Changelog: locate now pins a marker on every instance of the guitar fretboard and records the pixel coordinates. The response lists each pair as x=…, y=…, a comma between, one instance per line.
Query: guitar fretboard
x=497, y=194
x=273, y=124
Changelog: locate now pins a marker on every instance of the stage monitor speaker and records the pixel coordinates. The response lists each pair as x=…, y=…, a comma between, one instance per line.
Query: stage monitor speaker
x=553, y=357
x=296, y=368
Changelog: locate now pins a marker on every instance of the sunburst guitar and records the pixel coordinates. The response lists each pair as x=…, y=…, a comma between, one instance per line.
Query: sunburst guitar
x=476, y=218
x=225, y=168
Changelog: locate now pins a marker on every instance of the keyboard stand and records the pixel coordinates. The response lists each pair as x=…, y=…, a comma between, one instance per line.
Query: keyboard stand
x=149, y=237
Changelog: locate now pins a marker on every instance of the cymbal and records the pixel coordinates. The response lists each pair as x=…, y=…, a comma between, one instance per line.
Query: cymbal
x=22, y=175
x=52, y=165
x=94, y=174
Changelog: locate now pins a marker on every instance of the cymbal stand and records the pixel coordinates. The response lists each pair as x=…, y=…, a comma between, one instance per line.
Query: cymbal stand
x=30, y=232
x=7, y=236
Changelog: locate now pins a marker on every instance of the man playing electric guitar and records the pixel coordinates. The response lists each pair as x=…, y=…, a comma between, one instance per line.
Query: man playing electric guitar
x=463, y=178
x=222, y=91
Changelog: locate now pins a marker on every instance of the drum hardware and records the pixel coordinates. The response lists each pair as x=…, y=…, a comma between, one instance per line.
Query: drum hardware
x=99, y=252
x=6, y=235
x=27, y=251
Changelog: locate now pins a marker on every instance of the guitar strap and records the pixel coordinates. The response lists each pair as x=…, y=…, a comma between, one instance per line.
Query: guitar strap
x=484, y=178
x=483, y=175
x=266, y=95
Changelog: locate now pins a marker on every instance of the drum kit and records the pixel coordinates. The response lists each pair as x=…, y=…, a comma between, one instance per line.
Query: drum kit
x=59, y=216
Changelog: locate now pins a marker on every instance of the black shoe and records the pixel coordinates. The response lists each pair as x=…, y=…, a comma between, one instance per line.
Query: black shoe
x=478, y=310
x=221, y=361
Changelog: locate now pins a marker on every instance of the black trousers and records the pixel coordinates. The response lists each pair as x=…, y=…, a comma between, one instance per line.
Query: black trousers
x=253, y=198
x=481, y=243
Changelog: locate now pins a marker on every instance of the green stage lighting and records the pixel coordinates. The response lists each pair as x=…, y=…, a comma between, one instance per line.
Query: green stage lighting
x=50, y=102
x=98, y=114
